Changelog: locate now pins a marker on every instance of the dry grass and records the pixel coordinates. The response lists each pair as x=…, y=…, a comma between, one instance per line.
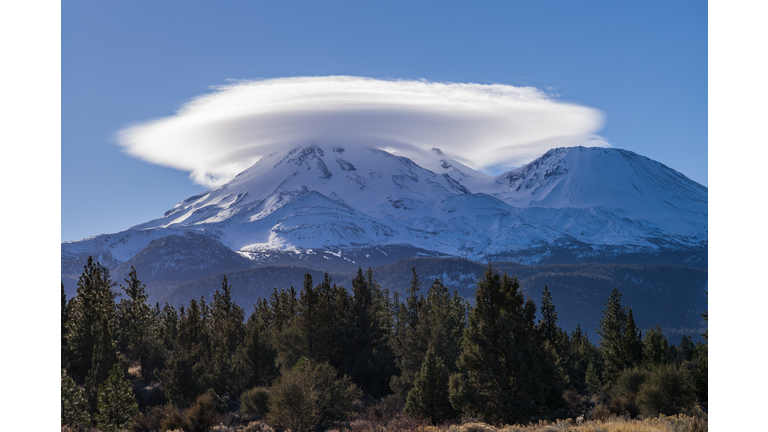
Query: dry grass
x=678, y=423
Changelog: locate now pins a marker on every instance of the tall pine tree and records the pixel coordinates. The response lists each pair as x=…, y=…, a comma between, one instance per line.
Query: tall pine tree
x=369, y=362
x=226, y=331
x=90, y=322
x=615, y=346
x=135, y=322
x=508, y=374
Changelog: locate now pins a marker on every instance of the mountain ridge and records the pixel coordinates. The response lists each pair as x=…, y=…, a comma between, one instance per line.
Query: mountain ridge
x=586, y=203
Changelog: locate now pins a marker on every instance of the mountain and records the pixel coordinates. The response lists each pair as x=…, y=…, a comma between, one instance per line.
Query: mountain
x=340, y=208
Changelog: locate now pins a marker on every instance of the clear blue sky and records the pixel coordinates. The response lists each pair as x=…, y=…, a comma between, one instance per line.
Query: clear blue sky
x=644, y=64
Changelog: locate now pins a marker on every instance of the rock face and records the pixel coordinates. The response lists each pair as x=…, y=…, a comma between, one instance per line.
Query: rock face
x=571, y=204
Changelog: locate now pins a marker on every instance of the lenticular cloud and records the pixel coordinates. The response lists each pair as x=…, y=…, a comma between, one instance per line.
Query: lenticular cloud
x=218, y=135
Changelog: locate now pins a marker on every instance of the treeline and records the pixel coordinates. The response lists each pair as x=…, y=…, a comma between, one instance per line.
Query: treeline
x=307, y=359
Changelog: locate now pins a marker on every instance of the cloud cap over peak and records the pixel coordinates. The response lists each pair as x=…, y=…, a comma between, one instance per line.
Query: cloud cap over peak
x=218, y=135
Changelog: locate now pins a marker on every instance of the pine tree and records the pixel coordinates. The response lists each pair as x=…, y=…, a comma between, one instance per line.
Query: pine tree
x=551, y=332
x=135, y=321
x=225, y=329
x=631, y=344
x=413, y=303
x=407, y=344
x=441, y=323
x=613, y=325
x=90, y=316
x=687, y=348
x=429, y=396
x=369, y=361
x=580, y=353
x=655, y=347
x=255, y=358
x=508, y=374
x=64, y=319
x=185, y=367
x=117, y=405
x=282, y=305
x=548, y=324
x=702, y=368
x=306, y=325
x=74, y=407
x=168, y=327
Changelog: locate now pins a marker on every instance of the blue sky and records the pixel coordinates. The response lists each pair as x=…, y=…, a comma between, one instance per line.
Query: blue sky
x=642, y=64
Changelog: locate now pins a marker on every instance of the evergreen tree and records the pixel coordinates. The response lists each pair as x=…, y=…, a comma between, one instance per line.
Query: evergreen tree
x=631, y=344
x=369, y=361
x=687, y=348
x=117, y=405
x=282, y=306
x=255, y=358
x=705, y=335
x=613, y=326
x=185, y=367
x=593, y=375
x=429, y=396
x=74, y=407
x=168, y=327
x=303, y=333
x=413, y=303
x=64, y=319
x=700, y=378
x=333, y=323
x=90, y=321
x=702, y=369
x=508, y=374
x=548, y=324
x=226, y=330
x=135, y=322
x=655, y=347
x=550, y=331
x=440, y=326
x=104, y=359
x=408, y=345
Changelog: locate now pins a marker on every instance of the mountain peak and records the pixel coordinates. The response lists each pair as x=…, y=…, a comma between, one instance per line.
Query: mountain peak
x=321, y=196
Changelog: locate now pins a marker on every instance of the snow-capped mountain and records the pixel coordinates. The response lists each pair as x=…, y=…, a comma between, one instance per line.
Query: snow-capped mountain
x=332, y=200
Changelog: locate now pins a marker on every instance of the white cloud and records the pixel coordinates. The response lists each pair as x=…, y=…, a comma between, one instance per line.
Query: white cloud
x=218, y=135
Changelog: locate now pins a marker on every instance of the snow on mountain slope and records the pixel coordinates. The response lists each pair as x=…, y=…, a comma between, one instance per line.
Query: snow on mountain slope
x=600, y=177
x=334, y=197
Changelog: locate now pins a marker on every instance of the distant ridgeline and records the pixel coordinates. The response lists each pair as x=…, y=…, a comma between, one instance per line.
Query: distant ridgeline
x=672, y=296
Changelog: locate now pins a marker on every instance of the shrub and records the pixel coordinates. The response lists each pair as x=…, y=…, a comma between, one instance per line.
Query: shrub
x=255, y=402
x=623, y=394
x=310, y=394
x=601, y=413
x=293, y=403
x=203, y=413
x=150, y=420
x=630, y=381
x=175, y=420
x=668, y=390
x=257, y=426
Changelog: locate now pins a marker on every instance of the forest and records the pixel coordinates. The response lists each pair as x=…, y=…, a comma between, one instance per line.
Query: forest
x=366, y=358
